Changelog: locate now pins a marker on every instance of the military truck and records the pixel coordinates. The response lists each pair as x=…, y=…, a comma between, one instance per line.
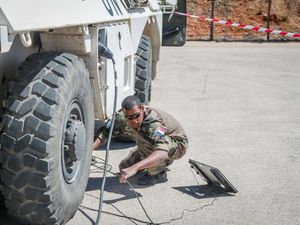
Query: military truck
x=55, y=82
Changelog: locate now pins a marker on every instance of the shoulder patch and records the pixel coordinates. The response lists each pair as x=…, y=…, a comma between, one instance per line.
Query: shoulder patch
x=160, y=132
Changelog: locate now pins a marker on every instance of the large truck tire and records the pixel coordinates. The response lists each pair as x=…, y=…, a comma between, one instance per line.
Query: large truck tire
x=144, y=70
x=47, y=139
x=2, y=206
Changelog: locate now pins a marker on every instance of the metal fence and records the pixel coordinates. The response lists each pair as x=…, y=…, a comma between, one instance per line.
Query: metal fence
x=275, y=14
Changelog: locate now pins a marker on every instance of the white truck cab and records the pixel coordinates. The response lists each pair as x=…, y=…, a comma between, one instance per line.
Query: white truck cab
x=55, y=82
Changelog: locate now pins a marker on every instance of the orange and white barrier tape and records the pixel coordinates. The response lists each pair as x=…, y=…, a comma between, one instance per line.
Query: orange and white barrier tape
x=243, y=26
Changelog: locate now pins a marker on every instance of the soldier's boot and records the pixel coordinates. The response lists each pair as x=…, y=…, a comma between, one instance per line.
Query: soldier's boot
x=149, y=180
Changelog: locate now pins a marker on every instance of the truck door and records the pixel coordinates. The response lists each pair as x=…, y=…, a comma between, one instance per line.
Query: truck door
x=117, y=38
x=174, y=27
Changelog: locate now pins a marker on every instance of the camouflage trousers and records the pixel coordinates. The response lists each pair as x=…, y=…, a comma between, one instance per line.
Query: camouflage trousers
x=177, y=148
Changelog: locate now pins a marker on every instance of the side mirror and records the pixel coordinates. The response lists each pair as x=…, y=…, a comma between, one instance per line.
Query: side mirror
x=174, y=28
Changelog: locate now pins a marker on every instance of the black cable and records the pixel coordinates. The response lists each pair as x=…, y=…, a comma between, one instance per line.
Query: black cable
x=114, y=214
x=143, y=208
x=94, y=163
x=188, y=210
x=108, y=144
x=122, y=214
x=105, y=52
x=137, y=196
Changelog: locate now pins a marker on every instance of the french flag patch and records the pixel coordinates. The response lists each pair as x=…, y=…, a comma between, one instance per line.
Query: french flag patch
x=160, y=132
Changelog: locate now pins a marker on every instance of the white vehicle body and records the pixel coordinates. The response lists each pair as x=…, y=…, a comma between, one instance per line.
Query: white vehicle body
x=54, y=83
x=74, y=26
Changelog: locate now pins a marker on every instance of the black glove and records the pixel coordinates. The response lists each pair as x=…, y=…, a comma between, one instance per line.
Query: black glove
x=104, y=128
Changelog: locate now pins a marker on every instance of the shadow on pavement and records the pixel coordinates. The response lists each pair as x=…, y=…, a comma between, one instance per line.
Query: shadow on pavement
x=113, y=185
x=203, y=191
x=118, y=145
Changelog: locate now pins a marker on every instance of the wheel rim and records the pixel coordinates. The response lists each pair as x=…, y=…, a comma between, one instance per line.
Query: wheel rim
x=73, y=142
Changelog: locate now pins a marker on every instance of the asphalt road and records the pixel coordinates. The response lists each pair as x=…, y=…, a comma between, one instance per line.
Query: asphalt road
x=240, y=106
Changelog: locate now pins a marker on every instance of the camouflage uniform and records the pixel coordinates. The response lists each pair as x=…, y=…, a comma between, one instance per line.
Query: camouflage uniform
x=158, y=131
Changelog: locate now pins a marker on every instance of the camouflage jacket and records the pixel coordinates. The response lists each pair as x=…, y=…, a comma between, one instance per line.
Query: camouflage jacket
x=155, y=132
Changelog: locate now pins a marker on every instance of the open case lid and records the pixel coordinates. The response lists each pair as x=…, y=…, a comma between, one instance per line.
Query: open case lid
x=212, y=176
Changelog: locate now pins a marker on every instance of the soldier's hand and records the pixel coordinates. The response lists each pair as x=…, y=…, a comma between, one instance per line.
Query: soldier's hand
x=126, y=173
x=122, y=176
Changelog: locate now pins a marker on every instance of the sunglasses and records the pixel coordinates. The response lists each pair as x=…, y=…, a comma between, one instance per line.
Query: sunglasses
x=133, y=116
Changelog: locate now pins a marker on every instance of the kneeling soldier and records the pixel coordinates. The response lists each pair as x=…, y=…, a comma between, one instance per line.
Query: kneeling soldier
x=159, y=137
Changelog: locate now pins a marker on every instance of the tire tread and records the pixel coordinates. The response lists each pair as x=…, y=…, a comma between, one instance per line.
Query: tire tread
x=143, y=70
x=28, y=126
